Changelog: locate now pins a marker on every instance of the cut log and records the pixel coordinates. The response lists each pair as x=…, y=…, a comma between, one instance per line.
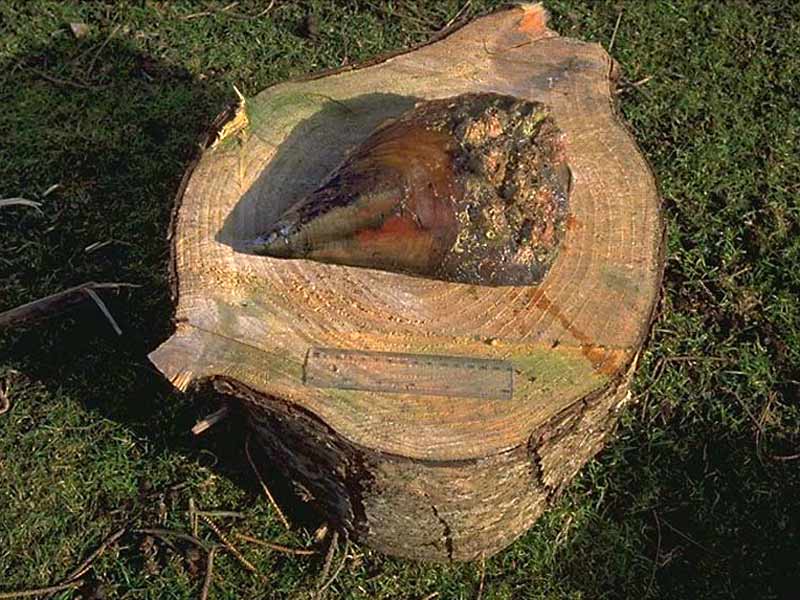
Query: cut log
x=431, y=419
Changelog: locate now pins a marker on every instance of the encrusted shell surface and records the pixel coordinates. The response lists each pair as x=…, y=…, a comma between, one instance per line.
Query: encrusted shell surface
x=471, y=189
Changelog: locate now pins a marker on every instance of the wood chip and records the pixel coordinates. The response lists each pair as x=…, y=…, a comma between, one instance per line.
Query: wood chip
x=79, y=30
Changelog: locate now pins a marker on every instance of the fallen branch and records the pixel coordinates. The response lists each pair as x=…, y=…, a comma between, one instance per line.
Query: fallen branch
x=58, y=303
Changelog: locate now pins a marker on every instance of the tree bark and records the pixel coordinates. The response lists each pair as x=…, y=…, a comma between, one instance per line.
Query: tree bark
x=447, y=474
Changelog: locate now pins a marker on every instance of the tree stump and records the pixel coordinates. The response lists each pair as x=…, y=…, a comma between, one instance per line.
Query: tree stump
x=430, y=419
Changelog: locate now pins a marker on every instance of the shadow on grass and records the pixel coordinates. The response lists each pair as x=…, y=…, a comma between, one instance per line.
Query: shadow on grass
x=116, y=137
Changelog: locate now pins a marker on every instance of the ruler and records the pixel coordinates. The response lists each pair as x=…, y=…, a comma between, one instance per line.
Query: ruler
x=419, y=374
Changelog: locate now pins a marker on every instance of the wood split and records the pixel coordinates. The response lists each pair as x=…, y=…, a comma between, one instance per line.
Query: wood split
x=236, y=124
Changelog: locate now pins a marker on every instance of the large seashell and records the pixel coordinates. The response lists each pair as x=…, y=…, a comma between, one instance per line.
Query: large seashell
x=472, y=189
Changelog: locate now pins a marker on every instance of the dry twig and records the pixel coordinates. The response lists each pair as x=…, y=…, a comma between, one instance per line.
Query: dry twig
x=326, y=566
x=211, y=420
x=67, y=82
x=325, y=584
x=165, y=534
x=274, y=546
x=227, y=543
x=209, y=574
x=82, y=568
x=264, y=487
x=206, y=13
x=41, y=591
x=193, y=516
x=222, y=514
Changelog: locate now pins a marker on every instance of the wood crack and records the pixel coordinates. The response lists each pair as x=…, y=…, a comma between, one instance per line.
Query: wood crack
x=447, y=532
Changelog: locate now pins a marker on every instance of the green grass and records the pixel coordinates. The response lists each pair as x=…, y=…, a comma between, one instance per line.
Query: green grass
x=691, y=499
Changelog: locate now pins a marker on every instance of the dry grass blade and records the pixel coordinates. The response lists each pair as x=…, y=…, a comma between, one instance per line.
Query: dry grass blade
x=6, y=202
x=54, y=304
x=209, y=574
x=458, y=15
x=206, y=13
x=786, y=457
x=90, y=68
x=41, y=591
x=5, y=403
x=67, y=82
x=223, y=514
x=264, y=487
x=616, y=29
x=274, y=546
x=104, y=309
x=479, y=595
x=50, y=190
x=658, y=554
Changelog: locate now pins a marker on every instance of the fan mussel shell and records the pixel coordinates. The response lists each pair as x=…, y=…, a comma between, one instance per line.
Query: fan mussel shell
x=470, y=189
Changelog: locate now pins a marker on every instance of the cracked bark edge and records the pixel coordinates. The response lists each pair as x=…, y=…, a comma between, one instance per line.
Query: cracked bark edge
x=564, y=444
x=432, y=510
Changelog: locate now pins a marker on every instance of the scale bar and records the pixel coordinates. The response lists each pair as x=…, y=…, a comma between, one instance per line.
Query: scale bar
x=419, y=374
